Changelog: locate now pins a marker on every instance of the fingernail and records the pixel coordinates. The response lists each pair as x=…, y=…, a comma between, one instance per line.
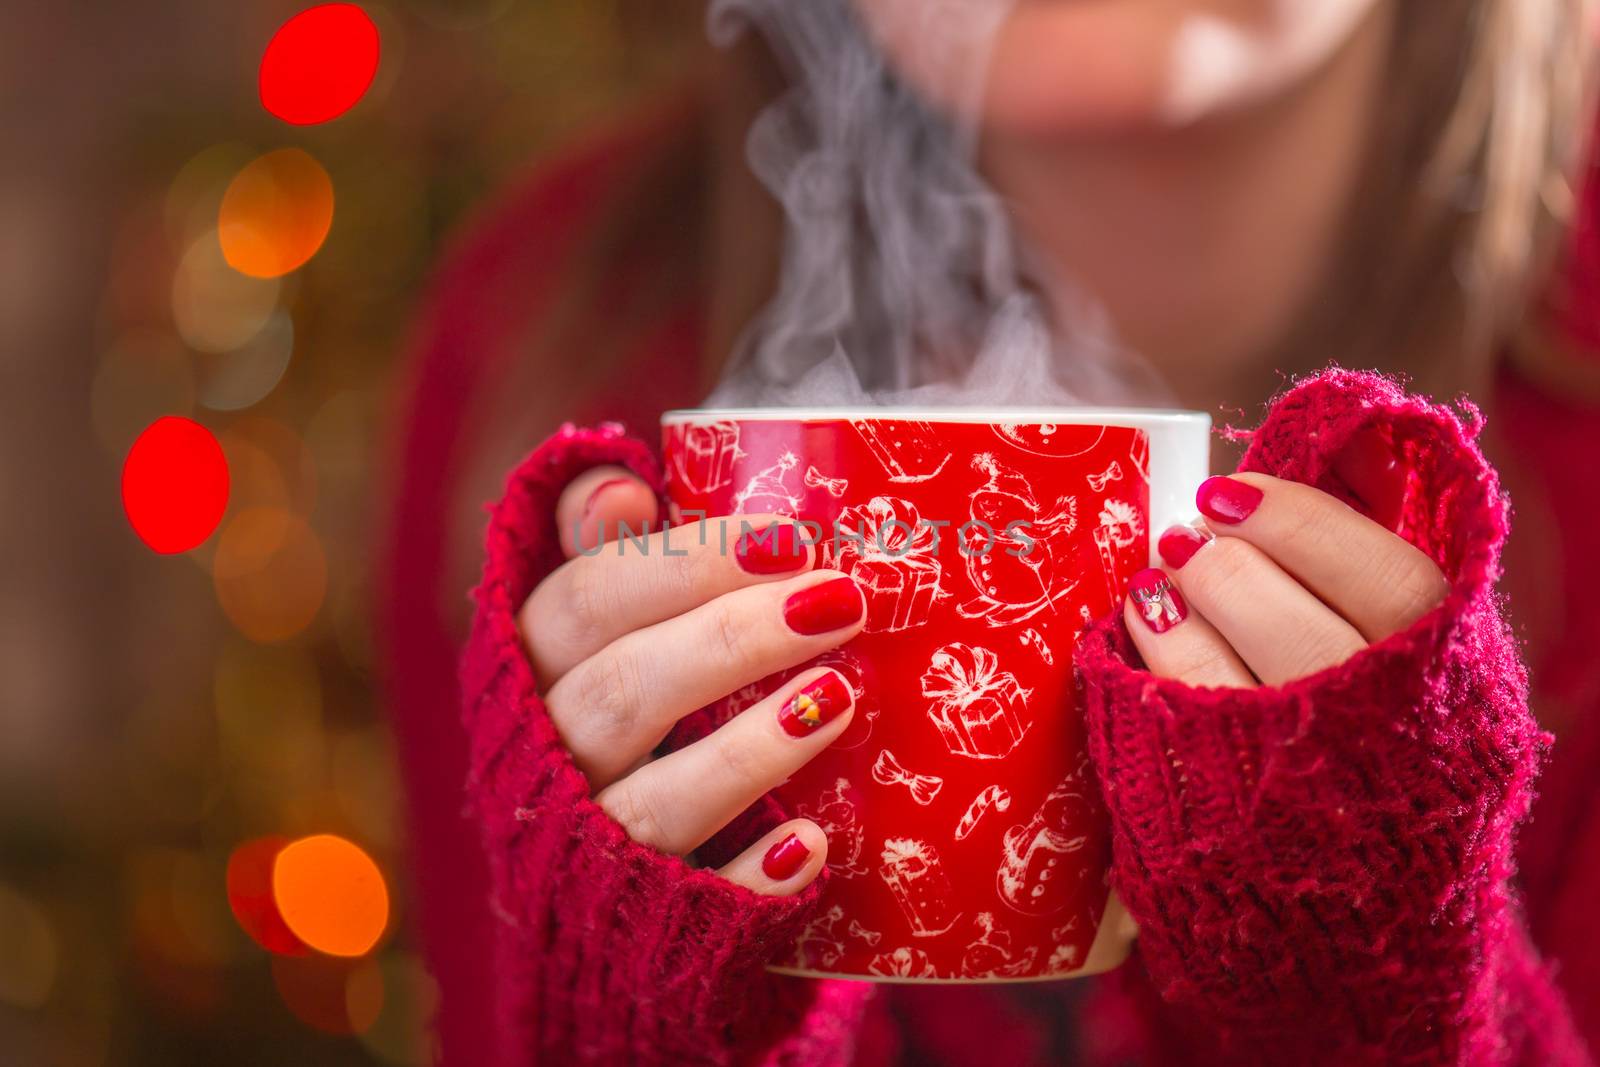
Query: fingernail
x=1226, y=500
x=1157, y=600
x=1179, y=544
x=824, y=607
x=775, y=549
x=1369, y=468
x=784, y=860
x=818, y=704
x=598, y=491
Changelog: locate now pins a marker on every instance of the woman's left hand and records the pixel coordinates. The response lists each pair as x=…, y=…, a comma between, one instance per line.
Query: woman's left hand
x=1277, y=581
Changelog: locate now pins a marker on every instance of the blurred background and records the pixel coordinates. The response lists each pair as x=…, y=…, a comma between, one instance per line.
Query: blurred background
x=208, y=261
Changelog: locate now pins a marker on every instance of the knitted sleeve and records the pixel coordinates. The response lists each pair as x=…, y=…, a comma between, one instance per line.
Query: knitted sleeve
x=1321, y=871
x=610, y=952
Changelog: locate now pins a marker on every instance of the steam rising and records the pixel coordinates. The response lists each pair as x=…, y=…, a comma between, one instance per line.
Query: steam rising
x=901, y=282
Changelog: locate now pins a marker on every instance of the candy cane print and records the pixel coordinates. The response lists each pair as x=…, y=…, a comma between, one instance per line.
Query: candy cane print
x=992, y=797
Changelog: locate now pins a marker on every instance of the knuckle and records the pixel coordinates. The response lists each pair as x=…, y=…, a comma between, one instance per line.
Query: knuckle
x=1311, y=649
x=1202, y=664
x=1304, y=513
x=1225, y=564
x=743, y=764
x=606, y=693
x=697, y=571
x=1412, y=586
x=635, y=805
x=586, y=596
x=727, y=633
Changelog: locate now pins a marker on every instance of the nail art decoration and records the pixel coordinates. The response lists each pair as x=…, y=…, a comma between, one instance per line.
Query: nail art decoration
x=1157, y=600
x=819, y=703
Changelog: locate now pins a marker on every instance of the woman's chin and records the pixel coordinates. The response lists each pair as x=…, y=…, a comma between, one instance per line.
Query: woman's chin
x=1106, y=66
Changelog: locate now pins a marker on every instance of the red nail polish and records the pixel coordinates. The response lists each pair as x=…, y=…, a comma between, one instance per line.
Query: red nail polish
x=1374, y=475
x=819, y=703
x=1179, y=544
x=1157, y=600
x=1226, y=500
x=595, y=493
x=775, y=549
x=784, y=860
x=824, y=607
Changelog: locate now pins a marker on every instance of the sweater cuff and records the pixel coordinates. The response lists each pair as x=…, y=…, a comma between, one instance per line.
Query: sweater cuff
x=613, y=952
x=1331, y=854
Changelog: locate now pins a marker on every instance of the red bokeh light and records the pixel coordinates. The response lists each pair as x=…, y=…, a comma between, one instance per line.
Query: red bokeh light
x=319, y=64
x=175, y=484
x=250, y=896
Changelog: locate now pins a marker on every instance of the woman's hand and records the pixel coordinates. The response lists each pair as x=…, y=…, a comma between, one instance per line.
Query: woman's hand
x=1278, y=581
x=627, y=640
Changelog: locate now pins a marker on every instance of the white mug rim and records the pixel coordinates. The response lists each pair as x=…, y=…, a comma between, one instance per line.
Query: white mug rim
x=1062, y=416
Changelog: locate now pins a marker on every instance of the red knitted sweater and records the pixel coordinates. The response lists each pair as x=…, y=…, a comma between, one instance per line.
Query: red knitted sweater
x=1323, y=872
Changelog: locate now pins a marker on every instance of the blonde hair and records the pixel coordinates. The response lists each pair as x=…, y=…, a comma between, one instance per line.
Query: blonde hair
x=1471, y=182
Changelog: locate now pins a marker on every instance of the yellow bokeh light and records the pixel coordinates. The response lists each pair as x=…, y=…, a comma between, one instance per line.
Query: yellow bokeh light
x=275, y=214
x=331, y=895
x=214, y=307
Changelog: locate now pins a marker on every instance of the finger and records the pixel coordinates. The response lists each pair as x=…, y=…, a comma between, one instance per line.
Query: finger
x=615, y=707
x=678, y=801
x=783, y=862
x=1371, y=577
x=596, y=501
x=1275, y=625
x=637, y=581
x=1174, y=643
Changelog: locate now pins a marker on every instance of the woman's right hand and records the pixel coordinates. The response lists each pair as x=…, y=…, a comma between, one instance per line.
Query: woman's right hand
x=630, y=639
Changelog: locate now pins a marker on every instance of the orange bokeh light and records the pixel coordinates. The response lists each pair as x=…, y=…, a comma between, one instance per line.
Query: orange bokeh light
x=270, y=574
x=331, y=895
x=276, y=214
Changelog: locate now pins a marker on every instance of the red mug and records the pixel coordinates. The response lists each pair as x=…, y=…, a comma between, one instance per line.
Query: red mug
x=966, y=837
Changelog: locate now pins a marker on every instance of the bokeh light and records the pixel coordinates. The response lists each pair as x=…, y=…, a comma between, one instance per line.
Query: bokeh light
x=401, y=1035
x=239, y=379
x=331, y=895
x=238, y=702
x=319, y=64
x=180, y=933
x=314, y=988
x=270, y=574
x=275, y=214
x=194, y=196
x=272, y=467
x=250, y=896
x=175, y=484
x=214, y=307
x=364, y=995
x=30, y=961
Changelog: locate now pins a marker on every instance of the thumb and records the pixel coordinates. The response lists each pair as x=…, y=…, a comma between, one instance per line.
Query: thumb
x=595, y=503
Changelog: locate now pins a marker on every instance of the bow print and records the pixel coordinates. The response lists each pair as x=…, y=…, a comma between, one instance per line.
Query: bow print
x=885, y=528
x=961, y=672
x=888, y=771
x=815, y=479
